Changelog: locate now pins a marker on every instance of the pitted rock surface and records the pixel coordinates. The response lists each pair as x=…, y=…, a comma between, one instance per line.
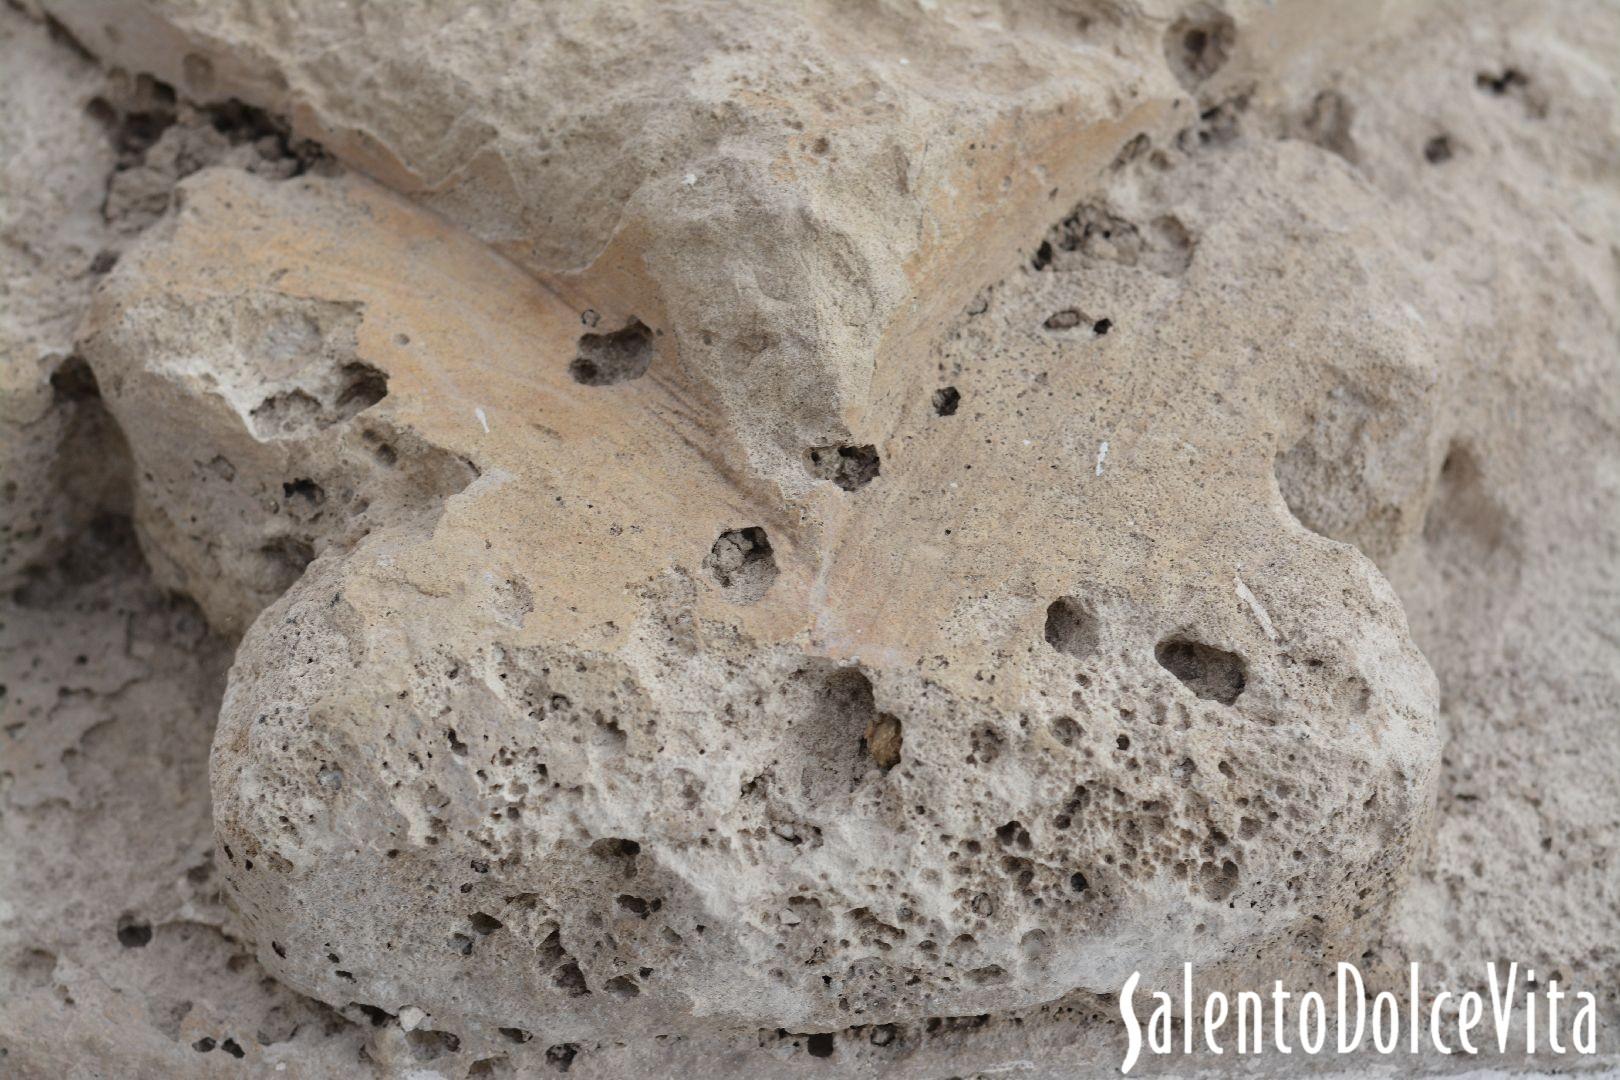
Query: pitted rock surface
x=750, y=539
x=1158, y=709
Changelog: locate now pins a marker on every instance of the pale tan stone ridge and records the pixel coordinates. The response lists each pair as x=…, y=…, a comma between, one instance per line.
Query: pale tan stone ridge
x=731, y=521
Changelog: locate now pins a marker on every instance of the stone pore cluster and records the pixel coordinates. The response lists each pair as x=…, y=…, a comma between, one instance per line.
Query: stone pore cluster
x=751, y=539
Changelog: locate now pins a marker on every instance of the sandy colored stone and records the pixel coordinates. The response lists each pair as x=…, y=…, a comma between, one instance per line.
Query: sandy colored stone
x=726, y=535
x=791, y=195
x=524, y=754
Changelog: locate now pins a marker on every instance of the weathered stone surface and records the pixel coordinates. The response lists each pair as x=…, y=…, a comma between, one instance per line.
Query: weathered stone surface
x=507, y=767
x=112, y=955
x=812, y=520
x=50, y=237
x=791, y=195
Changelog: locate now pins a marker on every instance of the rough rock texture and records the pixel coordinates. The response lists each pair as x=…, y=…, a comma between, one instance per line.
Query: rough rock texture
x=50, y=242
x=113, y=945
x=731, y=523
x=441, y=734
x=793, y=194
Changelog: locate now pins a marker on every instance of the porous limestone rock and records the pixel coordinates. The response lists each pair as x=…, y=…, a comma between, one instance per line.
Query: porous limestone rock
x=641, y=728
x=809, y=522
x=790, y=194
x=272, y=386
x=594, y=750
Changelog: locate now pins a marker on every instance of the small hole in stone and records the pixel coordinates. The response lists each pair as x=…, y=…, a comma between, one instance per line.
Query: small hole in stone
x=517, y=1035
x=378, y=1017
x=484, y=924
x=741, y=563
x=1067, y=731
x=1199, y=43
x=1437, y=150
x=1211, y=673
x=133, y=934
x=1078, y=882
x=305, y=490
x=946, y=399
x=1102, y=326
x=1067, y=319
x=363, y=387
x=571, y=980
x=622, y=986
x=605, y=359
x=615, y=848
x=74, y=381
x=821, y=1044
x=1509, y=79
x=883, y=740
x=849, y=467
x=1071, y=628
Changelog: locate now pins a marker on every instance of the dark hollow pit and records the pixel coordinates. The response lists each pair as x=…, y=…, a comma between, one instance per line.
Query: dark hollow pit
x=134, y=935
x=605, y=359
x=1067, y=319
x=850, y=467
x=1199, y=43
x=741, y=562
x=74, y=381
x=1071, y=628
x=1213, y=674
x=1499, y=84
x=363, y=387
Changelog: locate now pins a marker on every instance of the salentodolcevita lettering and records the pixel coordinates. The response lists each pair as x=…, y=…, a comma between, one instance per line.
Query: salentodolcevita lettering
x=1515, y=1013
